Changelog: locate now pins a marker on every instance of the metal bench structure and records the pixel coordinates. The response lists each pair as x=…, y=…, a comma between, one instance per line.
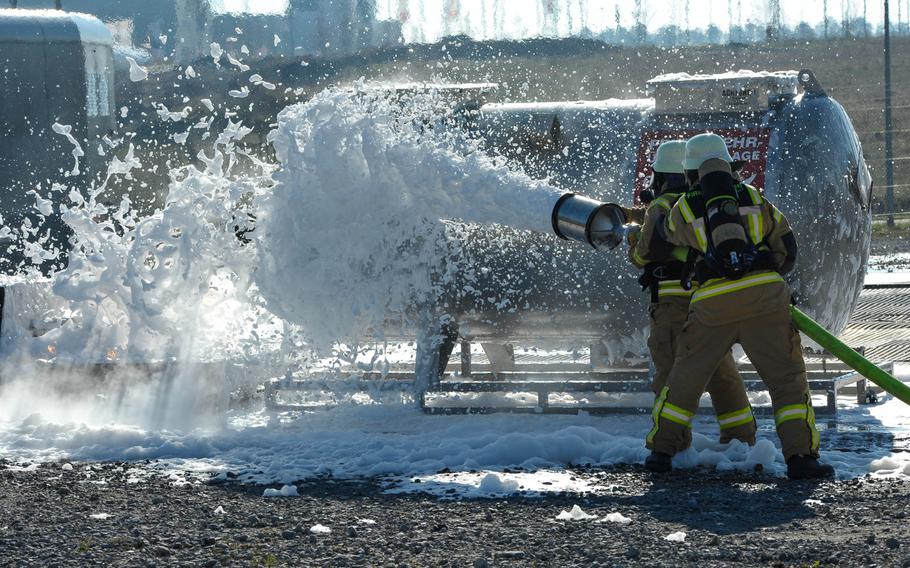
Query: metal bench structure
x=497, y=369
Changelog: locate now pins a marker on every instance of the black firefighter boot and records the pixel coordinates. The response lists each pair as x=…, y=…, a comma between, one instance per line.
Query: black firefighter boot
x=807, y=467
x=659, y=462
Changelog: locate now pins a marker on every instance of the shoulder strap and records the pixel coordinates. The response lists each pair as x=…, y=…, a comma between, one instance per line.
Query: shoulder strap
x=748, y=195
x=665, y=200
x=692, y=206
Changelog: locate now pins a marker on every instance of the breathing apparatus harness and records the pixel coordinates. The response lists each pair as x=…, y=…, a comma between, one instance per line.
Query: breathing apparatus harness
x=730, y=252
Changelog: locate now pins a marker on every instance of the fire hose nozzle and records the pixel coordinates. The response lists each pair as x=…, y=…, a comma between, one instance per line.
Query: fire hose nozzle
x=579, y=218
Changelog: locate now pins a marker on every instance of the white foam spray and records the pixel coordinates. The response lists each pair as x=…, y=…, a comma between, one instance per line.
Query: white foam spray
x=350, y=236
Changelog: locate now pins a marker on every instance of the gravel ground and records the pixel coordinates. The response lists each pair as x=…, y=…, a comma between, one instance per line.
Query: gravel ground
x=729, y=519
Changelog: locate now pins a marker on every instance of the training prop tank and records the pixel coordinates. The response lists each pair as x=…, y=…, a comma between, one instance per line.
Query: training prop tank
x=58, y=105
x=797, y=144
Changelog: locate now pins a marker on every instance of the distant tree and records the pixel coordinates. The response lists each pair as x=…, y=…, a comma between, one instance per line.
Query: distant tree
x=861, y=27
x=825, y=16
x=688, y=26
x=803, y=31
x=845, y=17
x=899, y=18
x=772, y=29
x=865, y=21
x=641, y=22
x=714, y=34
x=667, y=36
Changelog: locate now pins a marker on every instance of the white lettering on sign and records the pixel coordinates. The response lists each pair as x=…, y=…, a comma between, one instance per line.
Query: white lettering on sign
x=738, y=96
x=736, y=142
x=746, y=156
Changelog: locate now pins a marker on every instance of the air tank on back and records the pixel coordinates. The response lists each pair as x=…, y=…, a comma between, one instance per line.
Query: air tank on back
x=58, y=69
x=797, y=145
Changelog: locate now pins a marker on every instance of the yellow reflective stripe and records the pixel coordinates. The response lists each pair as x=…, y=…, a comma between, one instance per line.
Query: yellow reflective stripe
x=676, y=414
x=754, y=195
x=672, y=418
x=810, y=419
x=800, y=412
x=734, y=414
x=655, y=413
x=666, y=200
x=700, y=236
x=661, y=202
x=686, y=210
x=637, y=257
x=673, y=288
x=735, y=418
x=756, y=223
x=740, y=422
x=728, y=286
x=775, y=212
x=789, y=413
x=680, y=253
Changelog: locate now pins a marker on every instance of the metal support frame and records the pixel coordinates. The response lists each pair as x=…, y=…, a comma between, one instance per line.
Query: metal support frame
x=538, y=380
x=542, y=384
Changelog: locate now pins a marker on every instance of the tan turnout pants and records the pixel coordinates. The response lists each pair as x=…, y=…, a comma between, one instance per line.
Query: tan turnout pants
x=725, y=385
x=758, y=318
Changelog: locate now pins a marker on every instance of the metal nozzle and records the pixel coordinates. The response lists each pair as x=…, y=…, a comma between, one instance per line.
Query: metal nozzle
x=579, y=218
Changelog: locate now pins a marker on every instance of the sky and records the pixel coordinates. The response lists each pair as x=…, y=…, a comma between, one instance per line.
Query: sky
x=524, y=18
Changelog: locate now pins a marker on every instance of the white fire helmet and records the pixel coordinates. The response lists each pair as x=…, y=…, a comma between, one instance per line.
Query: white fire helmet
x=704, y=147
x=669, y=157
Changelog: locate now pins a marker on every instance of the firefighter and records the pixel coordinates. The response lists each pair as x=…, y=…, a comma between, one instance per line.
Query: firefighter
x=742, y=245
x=663, y=265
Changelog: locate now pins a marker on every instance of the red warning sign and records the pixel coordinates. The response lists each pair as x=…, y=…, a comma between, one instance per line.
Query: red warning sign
x=749, y=146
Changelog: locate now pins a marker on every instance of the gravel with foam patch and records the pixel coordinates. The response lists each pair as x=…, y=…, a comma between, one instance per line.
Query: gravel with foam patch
x=100, y=514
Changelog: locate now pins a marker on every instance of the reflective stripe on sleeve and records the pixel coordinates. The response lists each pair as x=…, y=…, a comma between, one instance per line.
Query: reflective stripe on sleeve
x=725, y=286
x=686, y=211
x=735, y=418
x=753, y=214
x=754, y=195
x=680, y=253
x=699, y=226
x=661, y=202
x=775, y=212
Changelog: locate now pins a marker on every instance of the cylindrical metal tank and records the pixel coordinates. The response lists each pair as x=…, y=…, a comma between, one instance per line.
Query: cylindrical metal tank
x=57, y=68
x=798, y=145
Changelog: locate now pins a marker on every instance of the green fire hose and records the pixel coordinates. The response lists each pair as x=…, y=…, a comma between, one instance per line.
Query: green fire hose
x=856, y=361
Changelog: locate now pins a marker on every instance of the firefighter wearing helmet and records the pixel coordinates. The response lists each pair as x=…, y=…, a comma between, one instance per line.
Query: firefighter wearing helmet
x=742, y=245
x=664, y=265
